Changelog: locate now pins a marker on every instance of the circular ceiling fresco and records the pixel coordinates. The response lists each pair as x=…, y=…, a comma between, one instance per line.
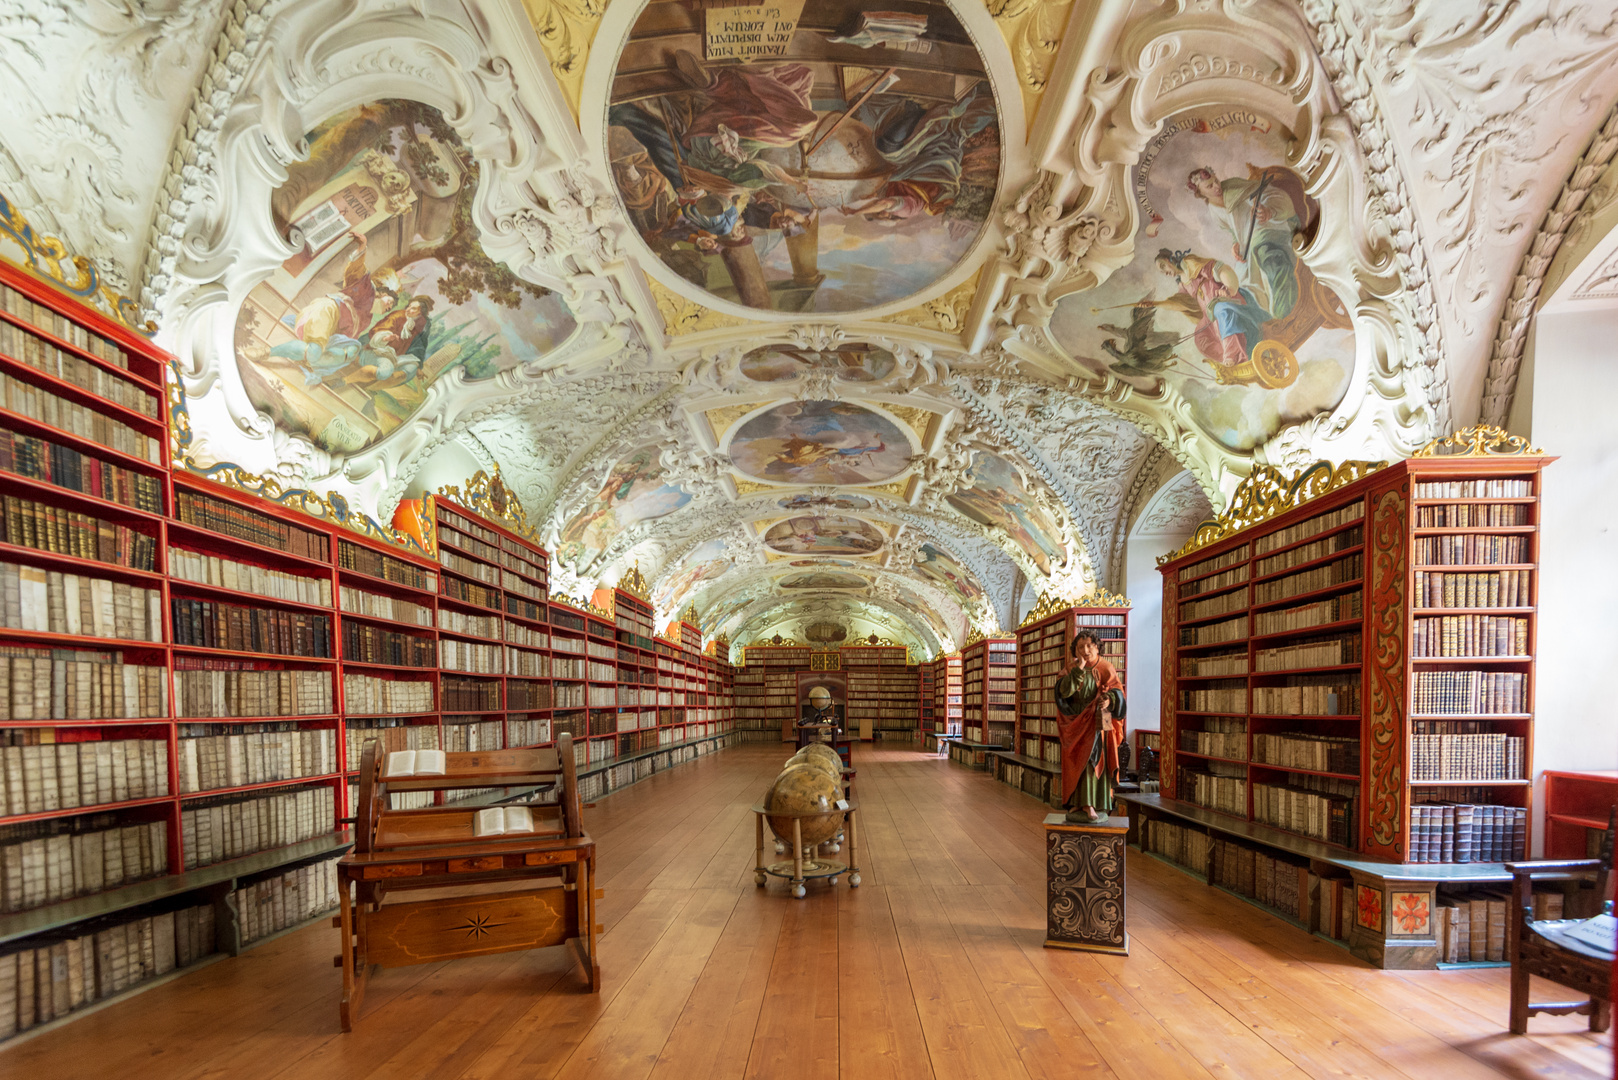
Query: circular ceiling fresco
x=820, y=442
x=831, y=534
x=808, y=155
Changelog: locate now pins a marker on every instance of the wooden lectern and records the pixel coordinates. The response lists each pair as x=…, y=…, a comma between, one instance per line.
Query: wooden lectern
x=487, y=895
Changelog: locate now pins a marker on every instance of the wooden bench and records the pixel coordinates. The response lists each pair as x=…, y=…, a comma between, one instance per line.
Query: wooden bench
x=400, y=852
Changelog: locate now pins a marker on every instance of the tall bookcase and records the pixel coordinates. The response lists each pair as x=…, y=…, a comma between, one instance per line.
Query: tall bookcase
x=929, y=700
x=777, y=705
x=989, y=692
x=883, y=691
x=947, y=709
x=190, y=671
x=1358, y=669
x=1044, y=648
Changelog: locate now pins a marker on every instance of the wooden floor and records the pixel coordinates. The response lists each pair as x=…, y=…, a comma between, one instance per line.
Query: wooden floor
x=934, y=967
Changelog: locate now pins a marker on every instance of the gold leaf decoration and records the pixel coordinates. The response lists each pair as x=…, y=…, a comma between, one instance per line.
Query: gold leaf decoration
x=488, y=495
x=1480, y=441
x=690, y=616
x=946, y=313
x=566, y=30
x=1268, y=492
x=1102, y=598
x=47, y=258
x=915, y=419
x=748, y=487
x=682, y=316
x=634, y=583
x=1033, y=31
x=721, y=419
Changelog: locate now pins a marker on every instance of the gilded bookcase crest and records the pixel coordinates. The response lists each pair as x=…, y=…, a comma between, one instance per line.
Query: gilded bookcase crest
x=1479, y=441
x=47, y=257
x=488, y=495
x=634, y=583
x=1267, y=493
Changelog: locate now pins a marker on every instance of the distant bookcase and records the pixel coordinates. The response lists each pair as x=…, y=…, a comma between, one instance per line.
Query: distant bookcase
x=1044, y=649
x=989, y=692
x=1358, y=669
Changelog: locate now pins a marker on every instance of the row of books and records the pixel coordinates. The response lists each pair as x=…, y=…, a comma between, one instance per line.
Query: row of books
x=44, y=862
x=1223, y=663
x=527, y=732
x=521, y=662
x=1463, y=692
x=1469, y=549
x=41, y=355
x=40, y=777
x=17, y=304
x=1320, y=523
x=367, y=644
x=1218, y=787
x=55, y=977
x=245, y=577
x=1318, y=652
x=377, y=564
x=1338, y=572
x=238, y=628
x=1223, y=604
x=53, y=602
x=468, y=593
x=77, y=684
x=467, y=695
x=531, y=636
x=210, y=758
x=1474, y=489
x=1235, y=555
x=1465, y=758
x=469, y=656
x=216, y=691
x=1343, y=541
x=273, y=904
x=1471, y=927
x=1224, y=699
x=1213, y=582
x=42, y=406
x=240, y=523
x=1466, y=832
x=1471, y=516
x=359, y=602
x=1320, y=613
x=461, y=622
x=37, y=525
x=1221, y=738
x=1214, y=633
x=1473, y=589
x=373, y=694
x=454, y=536
x=1306, y=750
x=1470, y=635
x=1312, y=698
x=473, y=735
x=64, y=467
x=229, y=827
x=1312, y=806
x=457, y=563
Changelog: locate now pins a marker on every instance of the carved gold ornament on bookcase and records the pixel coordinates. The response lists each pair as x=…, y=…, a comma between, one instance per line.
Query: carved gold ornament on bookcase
x=78, y=276
x=1049, y=604
x=488, y=495
x=973, y=637
x=1267, y=493
x=1479, y=441
x=634, y=583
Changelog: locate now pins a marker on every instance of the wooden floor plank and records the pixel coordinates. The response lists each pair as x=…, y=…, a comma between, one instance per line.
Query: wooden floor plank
x=935, y=967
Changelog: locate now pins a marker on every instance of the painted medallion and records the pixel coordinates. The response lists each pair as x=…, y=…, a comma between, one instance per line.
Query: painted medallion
x=848, y=363
x=824, y=579
x=807, y=155
x=831, y=534
x=820, y=442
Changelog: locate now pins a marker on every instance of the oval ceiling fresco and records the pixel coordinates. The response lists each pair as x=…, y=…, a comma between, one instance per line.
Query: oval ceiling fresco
x=804, y=156
x=850, y=363
x=831, y=534
x=1217, y=303
x=820, y=442
x=391, y=290
x=824, y=579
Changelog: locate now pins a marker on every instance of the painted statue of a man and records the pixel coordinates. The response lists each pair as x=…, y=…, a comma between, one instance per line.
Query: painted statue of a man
x=1090, y=701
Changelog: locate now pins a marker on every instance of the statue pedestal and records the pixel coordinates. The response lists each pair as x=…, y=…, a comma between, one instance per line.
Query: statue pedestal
x=1084, y=875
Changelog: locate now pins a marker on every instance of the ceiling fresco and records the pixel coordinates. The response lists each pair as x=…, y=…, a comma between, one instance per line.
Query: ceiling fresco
x=817, y=313
x=812, y=156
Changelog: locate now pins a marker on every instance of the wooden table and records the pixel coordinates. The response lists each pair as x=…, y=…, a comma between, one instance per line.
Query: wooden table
x=804, y=865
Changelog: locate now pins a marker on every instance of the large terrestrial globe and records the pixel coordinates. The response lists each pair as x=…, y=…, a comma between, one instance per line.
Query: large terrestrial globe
x=800, y=790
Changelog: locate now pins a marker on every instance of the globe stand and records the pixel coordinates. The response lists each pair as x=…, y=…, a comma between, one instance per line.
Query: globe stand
x=806, y=862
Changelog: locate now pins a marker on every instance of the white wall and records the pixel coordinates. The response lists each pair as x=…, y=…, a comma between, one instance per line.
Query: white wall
x=1575, y=416
x=1144, y=587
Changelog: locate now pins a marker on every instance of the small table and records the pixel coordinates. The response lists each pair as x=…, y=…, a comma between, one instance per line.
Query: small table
x=805, y=864
x=1084, y=873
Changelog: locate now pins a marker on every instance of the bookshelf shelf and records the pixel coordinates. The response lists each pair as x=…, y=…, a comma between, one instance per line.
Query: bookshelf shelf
x=80, y=811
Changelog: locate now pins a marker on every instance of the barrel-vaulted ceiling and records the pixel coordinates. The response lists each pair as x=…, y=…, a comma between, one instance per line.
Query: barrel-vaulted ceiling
x=834, y=320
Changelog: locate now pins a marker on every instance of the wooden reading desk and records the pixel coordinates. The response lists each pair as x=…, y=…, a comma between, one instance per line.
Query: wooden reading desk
x=486, y=892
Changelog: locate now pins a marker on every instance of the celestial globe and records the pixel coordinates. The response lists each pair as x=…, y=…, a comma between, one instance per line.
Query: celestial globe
x=804, y=790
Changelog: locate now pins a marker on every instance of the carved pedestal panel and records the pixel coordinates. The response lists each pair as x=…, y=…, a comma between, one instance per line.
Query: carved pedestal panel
x=1084, y=874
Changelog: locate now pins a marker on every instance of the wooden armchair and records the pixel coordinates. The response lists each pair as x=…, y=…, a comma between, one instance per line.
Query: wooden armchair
x=1540, y=947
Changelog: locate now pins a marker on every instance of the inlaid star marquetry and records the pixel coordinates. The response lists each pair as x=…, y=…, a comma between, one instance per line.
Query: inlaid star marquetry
x=477, y=926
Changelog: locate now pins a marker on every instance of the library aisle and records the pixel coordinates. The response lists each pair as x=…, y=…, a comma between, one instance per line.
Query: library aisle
x=933, y=968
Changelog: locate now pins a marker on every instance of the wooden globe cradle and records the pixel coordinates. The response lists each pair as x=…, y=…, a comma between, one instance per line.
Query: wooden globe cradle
x=433, y=848
x=806, y=861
